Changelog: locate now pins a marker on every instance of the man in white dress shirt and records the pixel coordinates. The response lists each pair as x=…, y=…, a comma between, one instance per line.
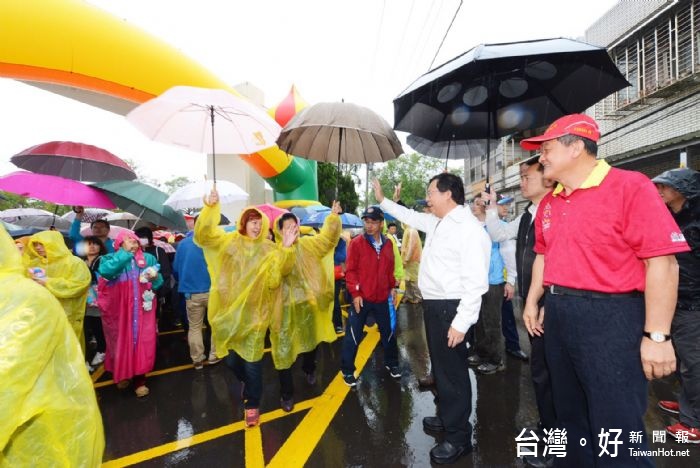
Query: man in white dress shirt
x=452, y=278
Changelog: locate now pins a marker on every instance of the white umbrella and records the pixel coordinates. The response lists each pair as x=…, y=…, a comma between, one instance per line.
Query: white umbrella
x=122, y=219
x=91, y=214
x=34, y=218
x=187, y=116
x=192, y=195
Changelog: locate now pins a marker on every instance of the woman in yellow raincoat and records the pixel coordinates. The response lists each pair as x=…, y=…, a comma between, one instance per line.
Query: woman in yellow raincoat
x=63, y=274
x=49, y=411
x=306, y=316
x=245, y=269
x=411, y=251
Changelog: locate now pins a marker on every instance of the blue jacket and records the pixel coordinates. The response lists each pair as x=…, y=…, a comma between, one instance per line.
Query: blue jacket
x=497, y=265
x=76, y=237
x=190, y=268
x=340, y=253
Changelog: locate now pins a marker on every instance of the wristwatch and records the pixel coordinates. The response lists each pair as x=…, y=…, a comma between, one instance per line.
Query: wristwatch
x=657, y=337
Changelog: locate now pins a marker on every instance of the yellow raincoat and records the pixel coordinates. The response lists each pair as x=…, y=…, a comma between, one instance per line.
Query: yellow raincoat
x=411, y=251
x=67, y=276
x=49, y=411
x=244, y=275
x=306, y=316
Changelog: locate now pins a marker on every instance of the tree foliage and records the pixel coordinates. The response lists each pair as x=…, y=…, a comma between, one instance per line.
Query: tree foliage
x=170, y=186
x=327, y=176
x=10, y=200
x=413, y=171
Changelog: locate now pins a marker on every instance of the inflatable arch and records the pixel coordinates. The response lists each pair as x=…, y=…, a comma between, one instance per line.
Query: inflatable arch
x=87, y=54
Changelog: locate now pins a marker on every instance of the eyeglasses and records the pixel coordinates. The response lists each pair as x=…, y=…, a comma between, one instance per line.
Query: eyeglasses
x=431, y=192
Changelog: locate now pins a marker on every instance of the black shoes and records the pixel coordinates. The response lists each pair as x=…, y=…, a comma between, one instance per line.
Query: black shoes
x=445, y=453
x=488, y=368
x=517, y=354
x=426, y=382
x=433, y=423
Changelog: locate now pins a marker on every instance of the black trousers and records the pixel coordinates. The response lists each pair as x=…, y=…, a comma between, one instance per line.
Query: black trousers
x=685, y=331
x=542, y=383
x=451, y=371
x=308, y=365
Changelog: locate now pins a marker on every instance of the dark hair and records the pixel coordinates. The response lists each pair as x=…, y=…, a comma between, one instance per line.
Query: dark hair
x=446, y=181
x=145, y=232
x=390, y=225
x=97, y=241
x=589, y=145
x=103, y=221
x=533, y=162
x=285, y=217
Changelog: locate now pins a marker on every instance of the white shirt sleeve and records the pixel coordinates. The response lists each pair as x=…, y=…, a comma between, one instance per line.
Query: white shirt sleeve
x=475, y=280
x=499, y=231
x=421, y=221
x=507, y=249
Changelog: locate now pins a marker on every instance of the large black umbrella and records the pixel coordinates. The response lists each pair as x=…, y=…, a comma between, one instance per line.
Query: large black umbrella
x=494, y=90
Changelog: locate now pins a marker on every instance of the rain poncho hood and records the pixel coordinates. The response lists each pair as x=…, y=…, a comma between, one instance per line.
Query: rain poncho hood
x=686, y=181
x=50, y=415
x=306, y=316
x=244, y=274
x=67, y=276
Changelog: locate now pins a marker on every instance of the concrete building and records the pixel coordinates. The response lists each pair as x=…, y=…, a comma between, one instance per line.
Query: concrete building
x=651, y=126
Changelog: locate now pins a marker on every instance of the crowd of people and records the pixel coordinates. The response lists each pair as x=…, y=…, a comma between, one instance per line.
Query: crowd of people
x=594, y=257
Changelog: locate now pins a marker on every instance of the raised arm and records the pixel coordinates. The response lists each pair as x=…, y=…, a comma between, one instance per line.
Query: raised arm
x=207, y=232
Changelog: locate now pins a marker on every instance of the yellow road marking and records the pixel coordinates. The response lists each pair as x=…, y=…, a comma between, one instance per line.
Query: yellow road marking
x=299, y=446
x=206, y=436
x=150, y=374
x=301, y=443
x=253, y=447
x=98, y=373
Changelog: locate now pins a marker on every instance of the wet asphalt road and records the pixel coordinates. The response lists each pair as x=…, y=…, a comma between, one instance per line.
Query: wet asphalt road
x=377, y=424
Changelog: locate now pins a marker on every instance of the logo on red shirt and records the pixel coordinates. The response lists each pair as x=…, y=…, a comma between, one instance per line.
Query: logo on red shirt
x=677, y=237
x=546, y=216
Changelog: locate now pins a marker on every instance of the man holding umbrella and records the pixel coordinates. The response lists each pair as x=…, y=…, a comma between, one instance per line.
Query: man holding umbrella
x=100, y=228
x=452, y=278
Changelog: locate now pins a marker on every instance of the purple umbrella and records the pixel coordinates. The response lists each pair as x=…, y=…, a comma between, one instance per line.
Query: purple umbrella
x=54, y=189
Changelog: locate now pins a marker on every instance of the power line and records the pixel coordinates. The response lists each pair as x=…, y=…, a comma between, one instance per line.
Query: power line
x=445, y=36
x=376, y=43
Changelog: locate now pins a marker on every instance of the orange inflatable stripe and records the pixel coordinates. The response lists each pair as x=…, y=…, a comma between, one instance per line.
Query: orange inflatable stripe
x=260, y=165
x=32, y=73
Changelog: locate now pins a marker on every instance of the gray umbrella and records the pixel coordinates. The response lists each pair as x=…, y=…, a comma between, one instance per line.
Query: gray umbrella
x=340, y=132
x=460, y=149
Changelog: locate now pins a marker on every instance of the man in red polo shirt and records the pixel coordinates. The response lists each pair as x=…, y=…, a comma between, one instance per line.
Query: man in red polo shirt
x=605, y=247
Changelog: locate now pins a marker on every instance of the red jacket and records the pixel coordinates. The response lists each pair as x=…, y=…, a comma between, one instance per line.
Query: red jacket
x=368, y=275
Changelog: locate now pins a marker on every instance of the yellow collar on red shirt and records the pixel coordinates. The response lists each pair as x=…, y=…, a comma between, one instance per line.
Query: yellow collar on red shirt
x=594, y=179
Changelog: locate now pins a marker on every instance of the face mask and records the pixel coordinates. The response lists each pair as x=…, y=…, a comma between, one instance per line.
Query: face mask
x=143, y=242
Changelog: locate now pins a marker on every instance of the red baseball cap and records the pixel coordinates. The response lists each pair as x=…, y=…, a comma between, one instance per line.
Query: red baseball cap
x=573, y=124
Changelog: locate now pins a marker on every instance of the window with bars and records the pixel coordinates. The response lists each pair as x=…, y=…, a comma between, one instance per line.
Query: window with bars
x=664, y=52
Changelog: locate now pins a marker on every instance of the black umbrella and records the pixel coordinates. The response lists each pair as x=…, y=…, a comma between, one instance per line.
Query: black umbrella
x=494, y=90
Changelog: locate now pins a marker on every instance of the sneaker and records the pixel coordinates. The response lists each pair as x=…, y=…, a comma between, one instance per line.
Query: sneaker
x=338, y=330
x=142, y=391
x=473, y=360
x=98, y=359
x=684, y=434
x=198, y=365
x=349, y=380
x=287, y=405
x=252, y=417
x=394, y=371
x=311, y=378
x=669, y=406
x=211, y=362
x=488, y=368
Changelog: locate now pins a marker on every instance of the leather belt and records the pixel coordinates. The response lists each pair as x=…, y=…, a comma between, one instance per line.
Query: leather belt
x=563, y=291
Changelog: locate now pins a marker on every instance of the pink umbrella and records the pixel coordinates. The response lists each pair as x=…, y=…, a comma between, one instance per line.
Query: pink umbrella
x=54, y=189
x=271, y=211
